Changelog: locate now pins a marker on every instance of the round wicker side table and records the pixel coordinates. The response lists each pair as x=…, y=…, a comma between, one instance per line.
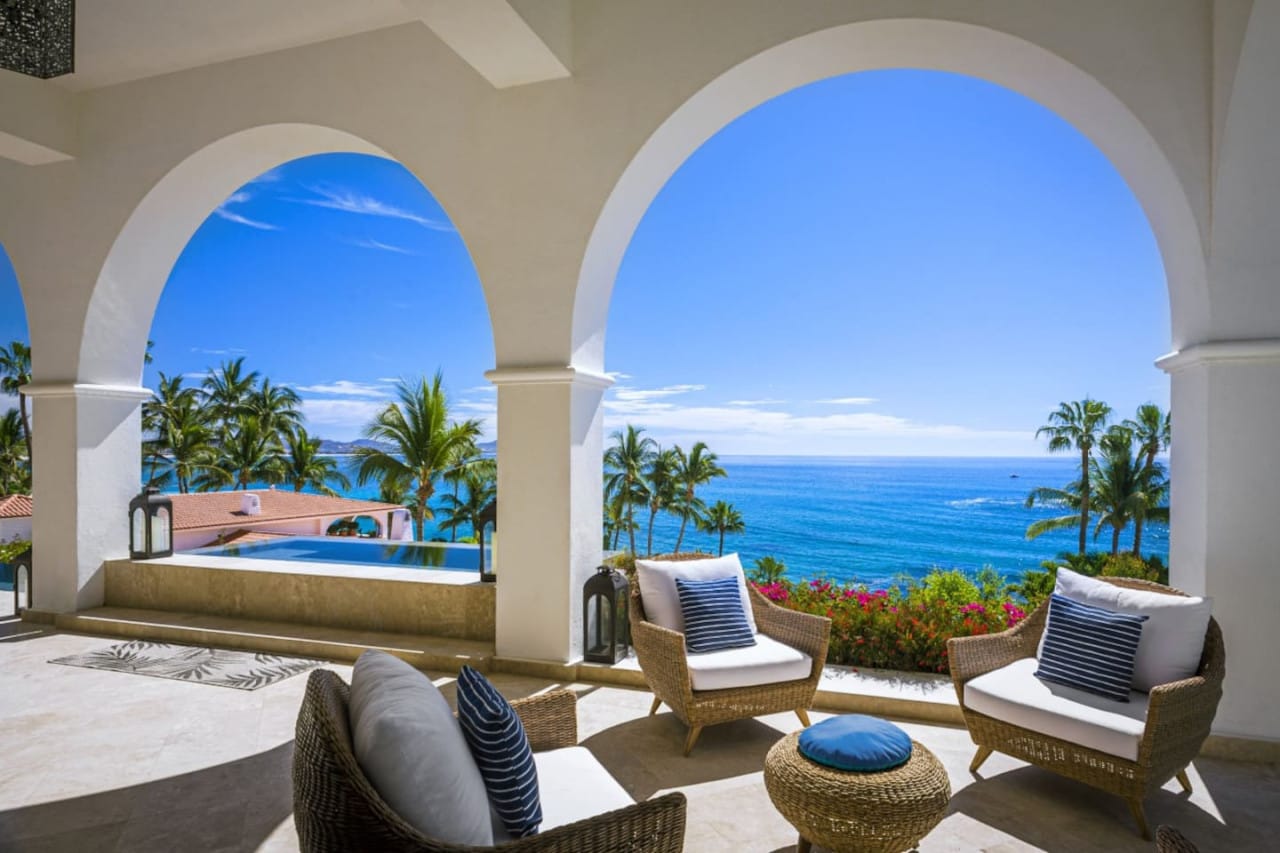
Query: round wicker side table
x=848, y=812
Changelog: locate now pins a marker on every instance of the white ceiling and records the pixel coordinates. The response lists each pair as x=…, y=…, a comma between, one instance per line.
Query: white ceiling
x=122, y=40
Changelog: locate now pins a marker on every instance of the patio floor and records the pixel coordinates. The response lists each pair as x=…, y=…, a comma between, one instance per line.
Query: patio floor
x=104, y=761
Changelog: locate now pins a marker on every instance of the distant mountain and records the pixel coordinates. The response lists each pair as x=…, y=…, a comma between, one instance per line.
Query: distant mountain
x=339, y=448
x=488, y=448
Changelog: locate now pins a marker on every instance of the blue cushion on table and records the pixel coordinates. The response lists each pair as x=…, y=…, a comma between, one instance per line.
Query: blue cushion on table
x=856, y=742
x=713, y=616
x=1090, y=648
x=501, y=751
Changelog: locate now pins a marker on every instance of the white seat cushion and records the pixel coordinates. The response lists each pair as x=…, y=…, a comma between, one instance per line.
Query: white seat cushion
x=657, y=580
x=1014, y=695
x=575, y=786
x=767, y=662
x=1172, y=637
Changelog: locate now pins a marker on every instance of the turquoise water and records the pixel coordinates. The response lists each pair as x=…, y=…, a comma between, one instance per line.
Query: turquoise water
x=365, y=552
x=872, y=519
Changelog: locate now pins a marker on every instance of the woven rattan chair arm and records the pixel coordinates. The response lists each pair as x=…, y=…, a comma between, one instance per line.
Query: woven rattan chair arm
x=1169, y=840
x=654, y=826
x=970, y=657
x=663, y=660
x=550, y=719
x=804, y=631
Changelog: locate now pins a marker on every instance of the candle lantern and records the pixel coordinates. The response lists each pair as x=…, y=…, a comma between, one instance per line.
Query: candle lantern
x=150, y=525
x=604, y=616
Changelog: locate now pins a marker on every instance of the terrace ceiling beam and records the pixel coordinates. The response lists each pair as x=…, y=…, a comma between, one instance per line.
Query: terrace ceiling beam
x=495, y=40
x=37, y=122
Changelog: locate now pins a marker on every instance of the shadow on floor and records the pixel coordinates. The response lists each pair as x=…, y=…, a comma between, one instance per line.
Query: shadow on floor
x=1058, y=815
x=14, y=630
x=232, y=806
x=646, y=755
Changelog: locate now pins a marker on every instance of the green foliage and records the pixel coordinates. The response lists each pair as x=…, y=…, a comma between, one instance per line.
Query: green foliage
x=905, y=626
x=14, y=548
x=1125, y=565
x=768, y=569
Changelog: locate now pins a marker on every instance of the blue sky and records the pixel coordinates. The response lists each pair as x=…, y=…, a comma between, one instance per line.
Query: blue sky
x=897, y=263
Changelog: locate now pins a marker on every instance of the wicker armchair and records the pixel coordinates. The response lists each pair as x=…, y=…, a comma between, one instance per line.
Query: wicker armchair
x=663, y=660
x=1169, y=840
x=337, y=810
x=1179, y=714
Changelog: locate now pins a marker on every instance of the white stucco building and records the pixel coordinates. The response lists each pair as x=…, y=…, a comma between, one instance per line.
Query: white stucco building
x=588, y=106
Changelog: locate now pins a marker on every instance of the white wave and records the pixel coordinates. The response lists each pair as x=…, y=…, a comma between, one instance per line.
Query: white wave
x=968, y=502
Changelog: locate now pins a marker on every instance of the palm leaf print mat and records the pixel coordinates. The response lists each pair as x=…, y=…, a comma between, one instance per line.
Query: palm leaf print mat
x=219, y=667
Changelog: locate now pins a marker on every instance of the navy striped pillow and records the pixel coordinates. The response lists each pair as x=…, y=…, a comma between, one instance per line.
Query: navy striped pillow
x=1090, y=648
x=713, y=615
x=501, y=750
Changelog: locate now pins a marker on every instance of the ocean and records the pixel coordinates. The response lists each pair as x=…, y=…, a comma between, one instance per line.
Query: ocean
x=873, y=519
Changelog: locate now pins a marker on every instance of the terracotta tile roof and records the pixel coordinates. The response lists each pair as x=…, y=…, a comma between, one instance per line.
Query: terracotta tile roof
x=217, y=510
x=15, y=506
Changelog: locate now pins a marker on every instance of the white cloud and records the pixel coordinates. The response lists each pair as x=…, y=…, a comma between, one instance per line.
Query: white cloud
x=849, y=401
x=381, y=247
x=226, y=213
x=763, y=402
x=346, y=387
x=391, y=379
x=351, y=201
x=476, y=407
x=270, y=176
x=7, y=402
x=341, y=420
x=197, y=375
x=617, y=375
x=482, y=389
x=227, y=351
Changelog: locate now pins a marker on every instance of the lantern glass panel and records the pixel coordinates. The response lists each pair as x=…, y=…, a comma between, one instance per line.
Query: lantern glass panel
x=160, y=531
x=21, y=587
x=138, y=533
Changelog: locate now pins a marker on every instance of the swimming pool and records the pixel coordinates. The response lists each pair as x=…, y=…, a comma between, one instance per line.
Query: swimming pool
x=361, y=552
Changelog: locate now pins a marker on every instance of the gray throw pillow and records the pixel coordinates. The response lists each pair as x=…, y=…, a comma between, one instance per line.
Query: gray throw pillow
x=412, y=750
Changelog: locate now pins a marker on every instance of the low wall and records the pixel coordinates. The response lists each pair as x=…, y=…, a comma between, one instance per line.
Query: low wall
x=402, y=601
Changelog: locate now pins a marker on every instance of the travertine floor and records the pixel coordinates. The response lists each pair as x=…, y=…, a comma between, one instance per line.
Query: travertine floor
x=103, y=761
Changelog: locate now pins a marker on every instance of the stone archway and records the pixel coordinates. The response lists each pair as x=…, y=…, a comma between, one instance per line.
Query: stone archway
x=936, y=45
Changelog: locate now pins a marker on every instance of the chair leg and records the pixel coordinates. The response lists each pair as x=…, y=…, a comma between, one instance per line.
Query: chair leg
x=1140, y=818
x=983, y=753
x=803, y=845
x=653, y=709
x=1183, y=780
x=691, y=739
x=803, y=714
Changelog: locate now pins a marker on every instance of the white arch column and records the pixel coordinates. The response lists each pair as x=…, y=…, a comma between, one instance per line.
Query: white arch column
x=550, y=512
x=1225, y=539
x=87, y=466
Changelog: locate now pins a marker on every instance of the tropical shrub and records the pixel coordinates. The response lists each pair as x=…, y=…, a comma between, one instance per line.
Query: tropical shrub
x=11, y=550
x=905, y=626
x=1125, y=565
x=768, y=569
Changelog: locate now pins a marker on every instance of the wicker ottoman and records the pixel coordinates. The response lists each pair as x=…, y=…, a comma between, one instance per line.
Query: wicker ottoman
x=848, y=812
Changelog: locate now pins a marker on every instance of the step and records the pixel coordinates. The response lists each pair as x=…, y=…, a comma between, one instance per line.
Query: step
x=337, y=644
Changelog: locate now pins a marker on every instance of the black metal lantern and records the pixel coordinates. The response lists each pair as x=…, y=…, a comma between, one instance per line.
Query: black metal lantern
x=22, y=582
x=604, y=616
x=150, y=525
x=37, y=37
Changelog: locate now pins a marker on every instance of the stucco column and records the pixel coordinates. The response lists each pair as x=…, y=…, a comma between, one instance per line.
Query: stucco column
x=549, y=507
x=1225, y=531
x=87, y=458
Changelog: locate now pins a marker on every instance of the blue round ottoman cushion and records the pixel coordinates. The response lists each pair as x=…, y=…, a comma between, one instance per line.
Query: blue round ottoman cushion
x=856, y=742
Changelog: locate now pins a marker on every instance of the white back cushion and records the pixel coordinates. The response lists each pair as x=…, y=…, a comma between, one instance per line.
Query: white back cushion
x=658, y=586
x=411, y=748
x=1172, y=638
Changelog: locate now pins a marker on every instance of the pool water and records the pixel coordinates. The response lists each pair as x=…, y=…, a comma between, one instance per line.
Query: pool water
x=363, y=552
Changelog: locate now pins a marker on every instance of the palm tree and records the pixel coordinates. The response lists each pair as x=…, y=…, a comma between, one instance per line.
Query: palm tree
x=697, y=468
x=1068, y=498
x=1119, y=480
x=275, y=406
x=249, y=453
x=768, y=569
x=393, y=490
x=456, y=474
x=14, y=476
x=226, y=391
x=659, y=487
x=628, y=458
x=722, y=518
x=170, y=405
x=15, y=371
x=424, y=443
x=481, y=488
x=305, y=466
x=1077, y=426
x=1153, y=432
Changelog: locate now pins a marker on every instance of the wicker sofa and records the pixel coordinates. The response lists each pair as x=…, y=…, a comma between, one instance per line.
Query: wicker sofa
x=666, y=666
x=1168, y=736
x=337, y=809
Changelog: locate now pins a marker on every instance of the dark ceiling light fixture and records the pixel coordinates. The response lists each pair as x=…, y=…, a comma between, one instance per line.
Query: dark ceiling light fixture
x=37, y=37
